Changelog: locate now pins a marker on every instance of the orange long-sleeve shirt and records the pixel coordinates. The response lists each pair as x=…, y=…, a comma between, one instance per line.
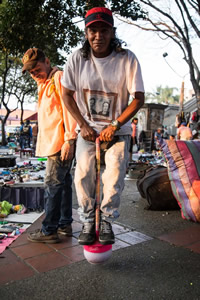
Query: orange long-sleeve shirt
x=56, y=125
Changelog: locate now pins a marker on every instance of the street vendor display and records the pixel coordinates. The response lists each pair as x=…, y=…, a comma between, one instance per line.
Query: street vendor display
x=23, y=184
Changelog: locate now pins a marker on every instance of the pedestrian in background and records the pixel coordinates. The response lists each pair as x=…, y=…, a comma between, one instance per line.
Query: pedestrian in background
x=25, y=135
x=165, y=133
x=134, y=141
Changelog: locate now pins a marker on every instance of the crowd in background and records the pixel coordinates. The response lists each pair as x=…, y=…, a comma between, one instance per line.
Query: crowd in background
x=185, y=130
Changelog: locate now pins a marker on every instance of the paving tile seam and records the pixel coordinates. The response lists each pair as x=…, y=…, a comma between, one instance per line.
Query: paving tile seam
x=124, y=226
x=71, y=261
x=25, y=262
x=190, y=244
x=57, y=250
x=43, y=254
x=64, y=255
x=180, y=246
x=129, y=244
x=31, y=267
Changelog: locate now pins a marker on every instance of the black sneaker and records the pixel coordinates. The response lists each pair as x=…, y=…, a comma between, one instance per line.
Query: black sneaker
x=106, y=235
x=88, y=234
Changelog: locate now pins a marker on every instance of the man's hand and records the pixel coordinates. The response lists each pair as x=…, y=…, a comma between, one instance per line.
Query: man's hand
x=88, y=133
x=67, y=150
x=108, y=133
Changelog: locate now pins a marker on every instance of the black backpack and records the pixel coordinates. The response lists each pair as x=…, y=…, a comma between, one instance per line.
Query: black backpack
x=155, y=186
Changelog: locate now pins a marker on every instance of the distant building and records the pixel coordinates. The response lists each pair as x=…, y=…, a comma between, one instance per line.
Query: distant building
x=151, y=116
x=14, y=118
x=170, y=117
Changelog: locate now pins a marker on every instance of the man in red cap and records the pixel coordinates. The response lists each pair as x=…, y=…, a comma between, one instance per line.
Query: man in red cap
x=102, y=70
x=55, y=140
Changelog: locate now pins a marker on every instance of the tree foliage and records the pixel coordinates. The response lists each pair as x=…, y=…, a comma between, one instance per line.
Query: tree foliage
x=24, y=24
x=166, y=95
x=47, y=24
x=178, y=21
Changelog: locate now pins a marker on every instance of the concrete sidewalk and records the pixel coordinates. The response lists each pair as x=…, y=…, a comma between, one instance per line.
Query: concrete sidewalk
x=163, y=265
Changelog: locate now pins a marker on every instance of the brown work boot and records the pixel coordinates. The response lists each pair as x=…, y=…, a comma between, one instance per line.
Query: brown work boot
x=65, y=230
x=39, y=237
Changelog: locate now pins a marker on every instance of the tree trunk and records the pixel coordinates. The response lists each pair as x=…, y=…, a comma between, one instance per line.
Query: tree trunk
x=4, y=140
x=22, y=111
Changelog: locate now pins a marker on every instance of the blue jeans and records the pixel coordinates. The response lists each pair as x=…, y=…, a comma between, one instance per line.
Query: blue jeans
x=58, y=194
x=23, y=142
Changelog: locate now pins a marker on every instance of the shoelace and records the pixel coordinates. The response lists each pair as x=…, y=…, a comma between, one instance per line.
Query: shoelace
x=105, y=227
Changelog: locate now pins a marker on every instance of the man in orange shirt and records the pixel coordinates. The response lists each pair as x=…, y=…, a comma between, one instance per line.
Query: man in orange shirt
x=55, y=140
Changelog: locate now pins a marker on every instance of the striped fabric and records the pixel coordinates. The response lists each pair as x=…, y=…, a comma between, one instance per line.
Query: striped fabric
x=183, y=162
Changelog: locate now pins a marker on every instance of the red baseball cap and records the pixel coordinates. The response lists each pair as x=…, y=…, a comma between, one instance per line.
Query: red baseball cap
x=99, y=14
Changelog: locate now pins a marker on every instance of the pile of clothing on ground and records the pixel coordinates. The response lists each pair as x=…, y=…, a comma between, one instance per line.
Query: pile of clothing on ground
x=7, y=208
x=21, y=173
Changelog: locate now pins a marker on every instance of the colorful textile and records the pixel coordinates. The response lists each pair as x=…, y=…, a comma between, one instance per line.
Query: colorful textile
x=5, y=243
x=183, y=161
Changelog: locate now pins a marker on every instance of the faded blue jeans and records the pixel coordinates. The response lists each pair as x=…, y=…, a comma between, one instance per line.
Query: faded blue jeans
x=58, y=194
x=116, y=162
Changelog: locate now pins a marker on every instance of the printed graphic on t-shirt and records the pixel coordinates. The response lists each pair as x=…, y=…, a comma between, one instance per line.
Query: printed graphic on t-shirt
x=101, y=106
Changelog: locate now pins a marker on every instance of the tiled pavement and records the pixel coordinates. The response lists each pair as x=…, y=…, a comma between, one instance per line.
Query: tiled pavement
x=25, y=259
